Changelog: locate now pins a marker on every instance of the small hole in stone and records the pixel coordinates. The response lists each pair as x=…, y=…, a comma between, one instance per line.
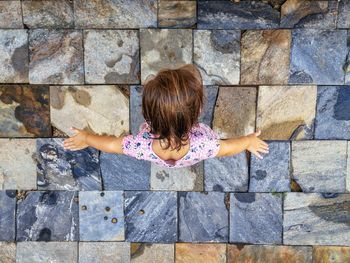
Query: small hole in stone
x=108, y=208
x=106, y=217
x=102, y=194
x=141, y=212
x=83, y=207
x=114, y=220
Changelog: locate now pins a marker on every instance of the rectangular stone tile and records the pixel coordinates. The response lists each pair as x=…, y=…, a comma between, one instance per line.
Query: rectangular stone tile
x=19, y=156
x=271, y=174
x=122, y=172
x=43, y=252
x=24, y=111
x=177, y=14
x=56, y=56
x=316, y=219
x=111, y=56
x=265, y=56
x=319, y=166
x=136, y=117
x=198, y=253
x=7, y=218
x=210, y=95
x=155, y=253
x=256, y=218
x=333, y=112
x=346, y=66
x=329, y=254
x=226, y=174
x=13, y=56
x=343, y=14
x=348, y=170
x=47, y=216
x=104, y=252
x=10, y=14
x=234, y=113
x=311, y=63
x=151, y=216
x=286, y=112
x=8, y=252
x=115, y=14
x=102, y=109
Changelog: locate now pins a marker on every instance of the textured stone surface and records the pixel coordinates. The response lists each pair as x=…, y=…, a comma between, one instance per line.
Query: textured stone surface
x=104, y=252
x=316, y=219
x=151, y=217
x=111, y=56
x=47, y=216
x=346, y=66
x=115, y=14
x=217, y=55
x=256, y=218
x=10, y=14
x=331, y=254
x=13, y=56
x=210, y=94
x=136, y=117
x=333, y=112
x=155, y=253
x=228, y=174
x=121, y=172
x=102, y=110
x=286, y=112
x=177, y=14
x=343, y=14
x=310, y=53
x=18, y=157
x=234, y=113
x=102, y=209
x=271, y=174
x=265, y=56
x=164, y=48
x=320, y=166
x=7, y=212
x=198, y=253
x=8, y=252
x=56, y=56
x=348, y=170
x=24, y=111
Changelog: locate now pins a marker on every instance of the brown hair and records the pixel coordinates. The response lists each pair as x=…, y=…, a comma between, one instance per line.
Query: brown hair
x=171, y=103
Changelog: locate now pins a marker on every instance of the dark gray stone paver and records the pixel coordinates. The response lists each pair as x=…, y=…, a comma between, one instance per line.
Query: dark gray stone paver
x=136, y=117
x=104, y=252
x=7, y=215
x=210, y=94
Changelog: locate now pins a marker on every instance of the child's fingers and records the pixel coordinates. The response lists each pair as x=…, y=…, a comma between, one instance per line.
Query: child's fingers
x=263, y=150
x=264, y=147
x=257, y=154
x=258, y=133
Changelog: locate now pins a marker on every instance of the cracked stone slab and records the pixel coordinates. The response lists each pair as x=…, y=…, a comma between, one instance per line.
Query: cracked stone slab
x=155, y=253
x=36, y=211
x=310, y=53
x=60, y=169
x=343, y=14
x=13, y=55
x=8, y=252
x=227, y=174
x=122, y=172
x=24, y=111
x=271, y=174
x=330, y=254
x=164, y=48
x=102, y=110
x=111, y=56
x=234, y=113
x=104, y=252
x=316, y=219
x=19, y=156
x=320, y=166
x=56, y=56
x=10, y=14
x=177, y=14
x=286, y=112
x=333, y=112
x=198, y=253
x=102, y=209
x=7, y=219
x=151, y=216
x=265, y=56
x=115, y=14
x=217, y=56
x=256, y=218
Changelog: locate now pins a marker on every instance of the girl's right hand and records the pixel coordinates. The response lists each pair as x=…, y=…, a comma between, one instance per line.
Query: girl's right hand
x=257, y=145
x=77, y=141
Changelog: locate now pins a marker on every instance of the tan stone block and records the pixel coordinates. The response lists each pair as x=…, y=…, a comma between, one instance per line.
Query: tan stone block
x=155, y=253
x=331, y=254
x=199, y=253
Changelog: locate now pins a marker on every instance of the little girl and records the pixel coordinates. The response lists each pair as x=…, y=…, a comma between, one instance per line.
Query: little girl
x=171, y=135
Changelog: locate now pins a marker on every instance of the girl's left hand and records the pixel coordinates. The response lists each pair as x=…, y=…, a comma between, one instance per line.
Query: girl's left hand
x=77, y=141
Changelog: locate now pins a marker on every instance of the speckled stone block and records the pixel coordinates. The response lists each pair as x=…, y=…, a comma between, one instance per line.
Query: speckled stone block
x=210, y=94
x=104, y=252
x=151, y=216
x=164, y=48
x=217, y=55
x=60, y=169
x=348, y=170
x=10, y=14
x=320, y=166
x=316, y=219
x=226, y=174
x=333, y=112
x=111, y=56
x=36, y=211
x=198, y=253
x=343, y=14
x=13, y=56
x=136, y=117
x=102, y=110
x=177, y=14
x=18, y=157
x=7, y=218
x=155, y=253
x=122, y=172
x=56, y=56
x=310, y=56
x=256, y=218
x=329, y=254
x=8, y=252
x=271, y=174
x=286, y=112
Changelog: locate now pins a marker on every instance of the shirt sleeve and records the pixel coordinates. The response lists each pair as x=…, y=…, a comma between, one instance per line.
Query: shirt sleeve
x=213, y=142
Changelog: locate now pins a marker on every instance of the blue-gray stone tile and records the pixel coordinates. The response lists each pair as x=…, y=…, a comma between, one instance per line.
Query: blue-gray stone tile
x=102, y=209
x=47, y=216
x=151, y=216
x=271, y=174
x=256, y=218
x=203, y=217
x=333, y=112
x=343, y=14
x=7, y=215
x=60, y=169
x=136, y=117
x=122, y=172
x=347, y=61
x=210, y=94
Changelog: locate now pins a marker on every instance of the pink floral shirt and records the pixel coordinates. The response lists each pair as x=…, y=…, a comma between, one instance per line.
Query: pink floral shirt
x=204, y=143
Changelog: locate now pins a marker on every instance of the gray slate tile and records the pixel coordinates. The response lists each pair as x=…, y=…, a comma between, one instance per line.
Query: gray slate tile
x=343, y=14
x=7, y=215
x=104, y=252
x=136, y=117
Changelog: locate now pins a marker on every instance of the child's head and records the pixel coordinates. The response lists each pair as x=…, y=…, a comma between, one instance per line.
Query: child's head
x=172, y=101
